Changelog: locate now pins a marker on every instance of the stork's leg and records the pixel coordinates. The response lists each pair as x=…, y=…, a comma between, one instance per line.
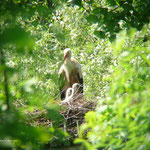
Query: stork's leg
x=63, y=95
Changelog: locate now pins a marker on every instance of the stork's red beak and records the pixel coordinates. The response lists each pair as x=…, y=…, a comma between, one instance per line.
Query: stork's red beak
x=65, y=57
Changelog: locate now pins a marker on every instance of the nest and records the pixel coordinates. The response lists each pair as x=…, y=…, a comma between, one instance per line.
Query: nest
x=74, y=113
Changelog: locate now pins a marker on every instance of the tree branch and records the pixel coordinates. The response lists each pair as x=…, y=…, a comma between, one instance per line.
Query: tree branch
x=2, y=60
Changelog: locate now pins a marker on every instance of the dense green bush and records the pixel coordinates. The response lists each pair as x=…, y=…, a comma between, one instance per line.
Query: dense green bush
x=121, y=119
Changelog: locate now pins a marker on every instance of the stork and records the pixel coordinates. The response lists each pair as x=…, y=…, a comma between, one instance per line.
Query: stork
x=70, y=93
x=69, y=96
x=69, y=73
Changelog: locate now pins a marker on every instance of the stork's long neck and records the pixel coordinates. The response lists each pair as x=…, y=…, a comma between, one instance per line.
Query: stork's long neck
x=68, y=66
x=67, y=60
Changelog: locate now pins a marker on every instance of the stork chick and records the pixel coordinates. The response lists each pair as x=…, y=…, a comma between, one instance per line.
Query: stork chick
x=69, y=96
x=70, y=73
x=70, y=93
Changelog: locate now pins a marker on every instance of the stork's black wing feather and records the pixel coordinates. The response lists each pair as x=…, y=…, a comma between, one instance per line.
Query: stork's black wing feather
x=81, y=83
x=61, y=86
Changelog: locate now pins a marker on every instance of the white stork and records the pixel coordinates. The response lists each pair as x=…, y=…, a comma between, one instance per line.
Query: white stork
x=69, y=96
x=70, y=93
x=70, y=73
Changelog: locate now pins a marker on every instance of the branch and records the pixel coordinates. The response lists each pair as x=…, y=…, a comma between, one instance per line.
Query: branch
x=2, y=60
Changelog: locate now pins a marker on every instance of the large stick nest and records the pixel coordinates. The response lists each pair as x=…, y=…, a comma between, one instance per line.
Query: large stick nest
x=73, y=114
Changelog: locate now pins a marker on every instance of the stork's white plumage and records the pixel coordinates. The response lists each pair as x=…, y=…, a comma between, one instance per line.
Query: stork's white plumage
x=70, y=93
x=70, y=73
x=69, y=96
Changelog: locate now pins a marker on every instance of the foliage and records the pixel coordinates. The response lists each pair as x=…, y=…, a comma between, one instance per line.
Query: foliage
x=111, y=41
x=114, y=15
x=19, y=81
x=121, y=120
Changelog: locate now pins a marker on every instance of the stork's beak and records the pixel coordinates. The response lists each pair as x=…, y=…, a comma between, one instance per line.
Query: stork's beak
x=65, y=57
